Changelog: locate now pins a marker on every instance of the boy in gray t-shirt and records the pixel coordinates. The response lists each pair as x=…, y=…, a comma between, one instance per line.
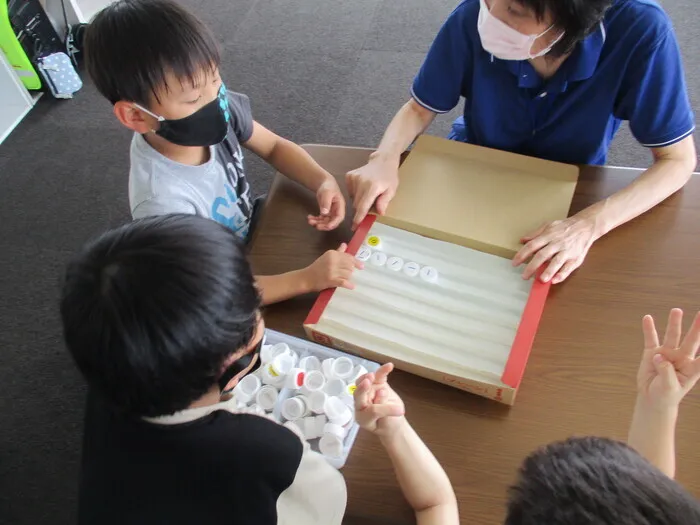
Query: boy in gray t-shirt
x=159, y=66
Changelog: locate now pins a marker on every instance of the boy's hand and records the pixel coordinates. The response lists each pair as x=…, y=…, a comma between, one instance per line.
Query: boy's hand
x=331, y=204
x=377, y=407
x=332, y=270
x=669, y=371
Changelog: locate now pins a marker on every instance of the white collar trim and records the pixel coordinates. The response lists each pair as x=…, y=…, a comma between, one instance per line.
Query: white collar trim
x=192, y=414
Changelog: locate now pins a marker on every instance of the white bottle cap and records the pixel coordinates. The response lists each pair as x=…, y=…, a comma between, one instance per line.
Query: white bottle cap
x=317, y=401
x=321, y=421
x=294, y=379
x=331, y=446
x=314, y=381
x=308, y=425
x=358, y=372
x=327, y=368
x=276, y=350
x=411, y=269
x=342, y=368
x=280, y=348
x=348, y=400
x=429, y=274
x=335, y=387
x=247, y=388
x=267, y=397
x=281, y=365
x=378, y=259
x=337, y=411
x=336, y=430
x=295, y=408
x=364, y=253
x=309, y=363
x=270, y=378
x=395, y=263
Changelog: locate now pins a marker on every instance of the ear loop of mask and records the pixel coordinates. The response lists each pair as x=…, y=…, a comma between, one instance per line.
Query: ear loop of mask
x=546, y=49
x=239, y=365
x=157, y=117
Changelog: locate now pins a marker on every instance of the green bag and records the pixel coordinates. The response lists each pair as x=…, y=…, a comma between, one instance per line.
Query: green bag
x=14, y=52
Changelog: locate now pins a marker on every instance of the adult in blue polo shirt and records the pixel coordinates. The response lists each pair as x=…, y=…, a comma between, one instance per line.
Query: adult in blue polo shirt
x=552, y=79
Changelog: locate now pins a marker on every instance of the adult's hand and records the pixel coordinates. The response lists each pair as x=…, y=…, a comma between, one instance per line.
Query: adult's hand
x=563, y=244
x=375, y=183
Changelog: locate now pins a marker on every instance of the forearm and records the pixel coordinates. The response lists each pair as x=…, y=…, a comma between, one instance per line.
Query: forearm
x=410, y=121
x=652, y=434
x=660, y=181
x=423, y=481
x=277, y=288
x=294, y=162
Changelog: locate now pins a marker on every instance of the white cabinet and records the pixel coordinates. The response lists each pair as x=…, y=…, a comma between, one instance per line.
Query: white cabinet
x=15, y=100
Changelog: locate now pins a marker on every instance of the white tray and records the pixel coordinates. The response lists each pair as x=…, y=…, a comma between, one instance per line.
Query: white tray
x=306, y=348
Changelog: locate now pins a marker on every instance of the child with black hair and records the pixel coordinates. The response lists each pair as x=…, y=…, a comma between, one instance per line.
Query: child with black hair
x=598, y=481
x=158, y=343
x=159, y=66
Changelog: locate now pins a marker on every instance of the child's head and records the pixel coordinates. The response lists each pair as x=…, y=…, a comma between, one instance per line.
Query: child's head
x=596, y=481
x=152, y=58
x=155, y=312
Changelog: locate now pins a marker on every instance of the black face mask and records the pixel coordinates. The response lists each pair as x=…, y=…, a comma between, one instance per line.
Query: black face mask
x=241, y=364
x=205, y=127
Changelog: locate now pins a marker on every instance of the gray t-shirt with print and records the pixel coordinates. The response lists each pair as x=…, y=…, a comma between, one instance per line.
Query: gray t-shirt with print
x=217, y=189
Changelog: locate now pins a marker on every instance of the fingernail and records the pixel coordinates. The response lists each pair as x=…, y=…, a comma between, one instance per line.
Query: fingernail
x=658, y=359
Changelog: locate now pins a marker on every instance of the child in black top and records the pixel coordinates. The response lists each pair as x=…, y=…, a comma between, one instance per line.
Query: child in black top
x=161, y=316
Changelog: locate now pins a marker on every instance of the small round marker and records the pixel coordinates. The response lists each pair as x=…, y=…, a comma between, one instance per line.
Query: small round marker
x=395, y=263
x=378, y=259
x=412, y=269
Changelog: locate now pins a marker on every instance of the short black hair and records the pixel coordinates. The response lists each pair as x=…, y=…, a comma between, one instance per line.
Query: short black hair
x=152, y=309
x=131, y=45
x=577, y=18
x=596, y=481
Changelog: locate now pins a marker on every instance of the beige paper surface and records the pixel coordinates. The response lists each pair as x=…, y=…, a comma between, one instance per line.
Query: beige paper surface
x=478, y=197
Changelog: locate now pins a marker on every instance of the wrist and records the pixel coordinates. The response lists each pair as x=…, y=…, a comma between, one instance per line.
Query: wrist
x=386, y=158
x=666, y=411
x=596, y=220
x=396, y=432
x=304, y=280
x=326, y=179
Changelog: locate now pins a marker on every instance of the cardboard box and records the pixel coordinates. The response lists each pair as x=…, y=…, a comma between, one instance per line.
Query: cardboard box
x=474, y=327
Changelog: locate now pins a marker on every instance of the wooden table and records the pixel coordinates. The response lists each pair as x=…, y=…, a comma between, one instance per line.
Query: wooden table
x=581, y=375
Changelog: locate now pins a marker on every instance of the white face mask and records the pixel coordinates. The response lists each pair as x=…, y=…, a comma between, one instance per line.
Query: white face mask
x=504, y=42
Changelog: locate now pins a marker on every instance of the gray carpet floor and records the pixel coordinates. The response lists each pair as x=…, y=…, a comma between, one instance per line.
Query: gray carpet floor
x=323, y=71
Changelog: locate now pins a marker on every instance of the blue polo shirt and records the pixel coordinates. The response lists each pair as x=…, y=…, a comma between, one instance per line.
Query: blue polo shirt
x=628, y=68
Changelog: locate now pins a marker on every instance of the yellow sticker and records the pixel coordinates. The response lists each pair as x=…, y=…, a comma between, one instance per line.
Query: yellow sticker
x=352, y=389
x=272, y=371
x=373, y=241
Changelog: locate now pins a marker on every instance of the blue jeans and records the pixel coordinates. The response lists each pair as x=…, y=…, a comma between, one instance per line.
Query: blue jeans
x=459, y=130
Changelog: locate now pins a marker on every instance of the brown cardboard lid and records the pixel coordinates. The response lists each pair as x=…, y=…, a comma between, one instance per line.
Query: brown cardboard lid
x=478, y=197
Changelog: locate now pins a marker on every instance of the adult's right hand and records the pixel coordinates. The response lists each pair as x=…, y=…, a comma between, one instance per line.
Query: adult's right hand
x=375, y=183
